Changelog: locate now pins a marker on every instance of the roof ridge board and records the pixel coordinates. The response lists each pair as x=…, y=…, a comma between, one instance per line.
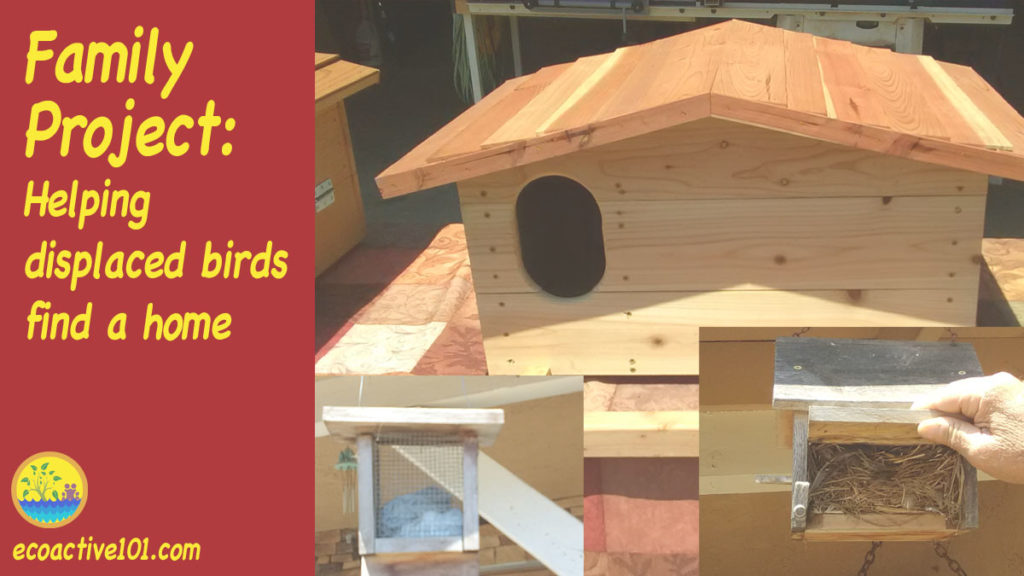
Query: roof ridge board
x=748, y=67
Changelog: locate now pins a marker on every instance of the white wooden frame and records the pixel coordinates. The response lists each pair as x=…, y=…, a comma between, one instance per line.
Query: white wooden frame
x=465, y=426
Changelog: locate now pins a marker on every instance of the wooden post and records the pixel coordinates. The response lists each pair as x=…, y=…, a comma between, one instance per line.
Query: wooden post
x=367, y=512
x=470, y=509
x=969, y=516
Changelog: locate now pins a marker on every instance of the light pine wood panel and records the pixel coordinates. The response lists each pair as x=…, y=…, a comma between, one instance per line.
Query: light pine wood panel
x=645, y=342
x=853, y=425
x=741, y=444
x=744, y=244
x=655, y=333
x=981, y=336
x=924, y=527
x=715, y=158
x=341, y=225
x=340, y=79
x=348, y=422
x=667, y=434
x=422, y=564
x=322, y=59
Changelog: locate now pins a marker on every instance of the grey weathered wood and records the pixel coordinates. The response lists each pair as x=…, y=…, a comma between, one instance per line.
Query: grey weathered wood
x=798, y=397
x=367, y=512
x=799, y=510
x=801, y=483
x=869, y=415
x=970, y=511
x=827, y=371
x=470, y=509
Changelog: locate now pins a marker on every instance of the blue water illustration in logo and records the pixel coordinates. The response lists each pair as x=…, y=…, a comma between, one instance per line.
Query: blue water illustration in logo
x=49, y=511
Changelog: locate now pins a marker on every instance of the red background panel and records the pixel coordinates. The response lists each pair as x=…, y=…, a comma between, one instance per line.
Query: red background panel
x=202, y=442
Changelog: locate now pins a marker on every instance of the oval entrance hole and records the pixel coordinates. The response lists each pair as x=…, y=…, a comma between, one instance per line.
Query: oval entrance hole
x=560, y=236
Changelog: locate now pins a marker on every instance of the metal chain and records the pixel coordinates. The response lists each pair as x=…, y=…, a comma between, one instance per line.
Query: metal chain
x=801, y=332
x=869, y=559
x=953, y=336
x=954, y=566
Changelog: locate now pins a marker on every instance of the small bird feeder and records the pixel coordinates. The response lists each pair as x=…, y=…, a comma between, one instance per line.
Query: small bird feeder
x=417, y=480
x=860, y=470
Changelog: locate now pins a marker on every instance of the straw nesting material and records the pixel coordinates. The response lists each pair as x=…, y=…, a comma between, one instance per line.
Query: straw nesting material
x=860, y=479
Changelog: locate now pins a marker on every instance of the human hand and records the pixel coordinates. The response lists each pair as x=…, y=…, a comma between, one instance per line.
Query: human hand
x=986, y=423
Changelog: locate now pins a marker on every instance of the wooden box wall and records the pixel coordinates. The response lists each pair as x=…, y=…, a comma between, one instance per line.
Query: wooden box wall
x=341, y=225
x=716, y=223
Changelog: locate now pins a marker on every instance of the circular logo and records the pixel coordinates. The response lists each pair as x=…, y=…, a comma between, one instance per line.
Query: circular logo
x=49, y=490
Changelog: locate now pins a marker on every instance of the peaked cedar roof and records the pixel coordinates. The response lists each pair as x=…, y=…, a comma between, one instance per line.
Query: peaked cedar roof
x=870, y=98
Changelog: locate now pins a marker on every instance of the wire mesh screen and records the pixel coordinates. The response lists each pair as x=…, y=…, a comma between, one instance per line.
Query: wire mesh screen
x=418, y=486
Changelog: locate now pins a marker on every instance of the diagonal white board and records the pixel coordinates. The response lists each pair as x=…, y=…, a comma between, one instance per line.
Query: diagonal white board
x=542, y=528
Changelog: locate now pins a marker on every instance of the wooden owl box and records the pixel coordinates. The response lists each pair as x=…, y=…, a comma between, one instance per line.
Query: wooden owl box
x=733, y=175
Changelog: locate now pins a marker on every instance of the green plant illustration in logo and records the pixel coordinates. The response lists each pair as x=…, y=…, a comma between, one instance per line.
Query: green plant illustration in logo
x=49, y=489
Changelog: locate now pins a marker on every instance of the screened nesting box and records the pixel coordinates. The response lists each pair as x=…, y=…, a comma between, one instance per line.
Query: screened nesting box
x=734, y=175
x=860, y=470
x=417, y=481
